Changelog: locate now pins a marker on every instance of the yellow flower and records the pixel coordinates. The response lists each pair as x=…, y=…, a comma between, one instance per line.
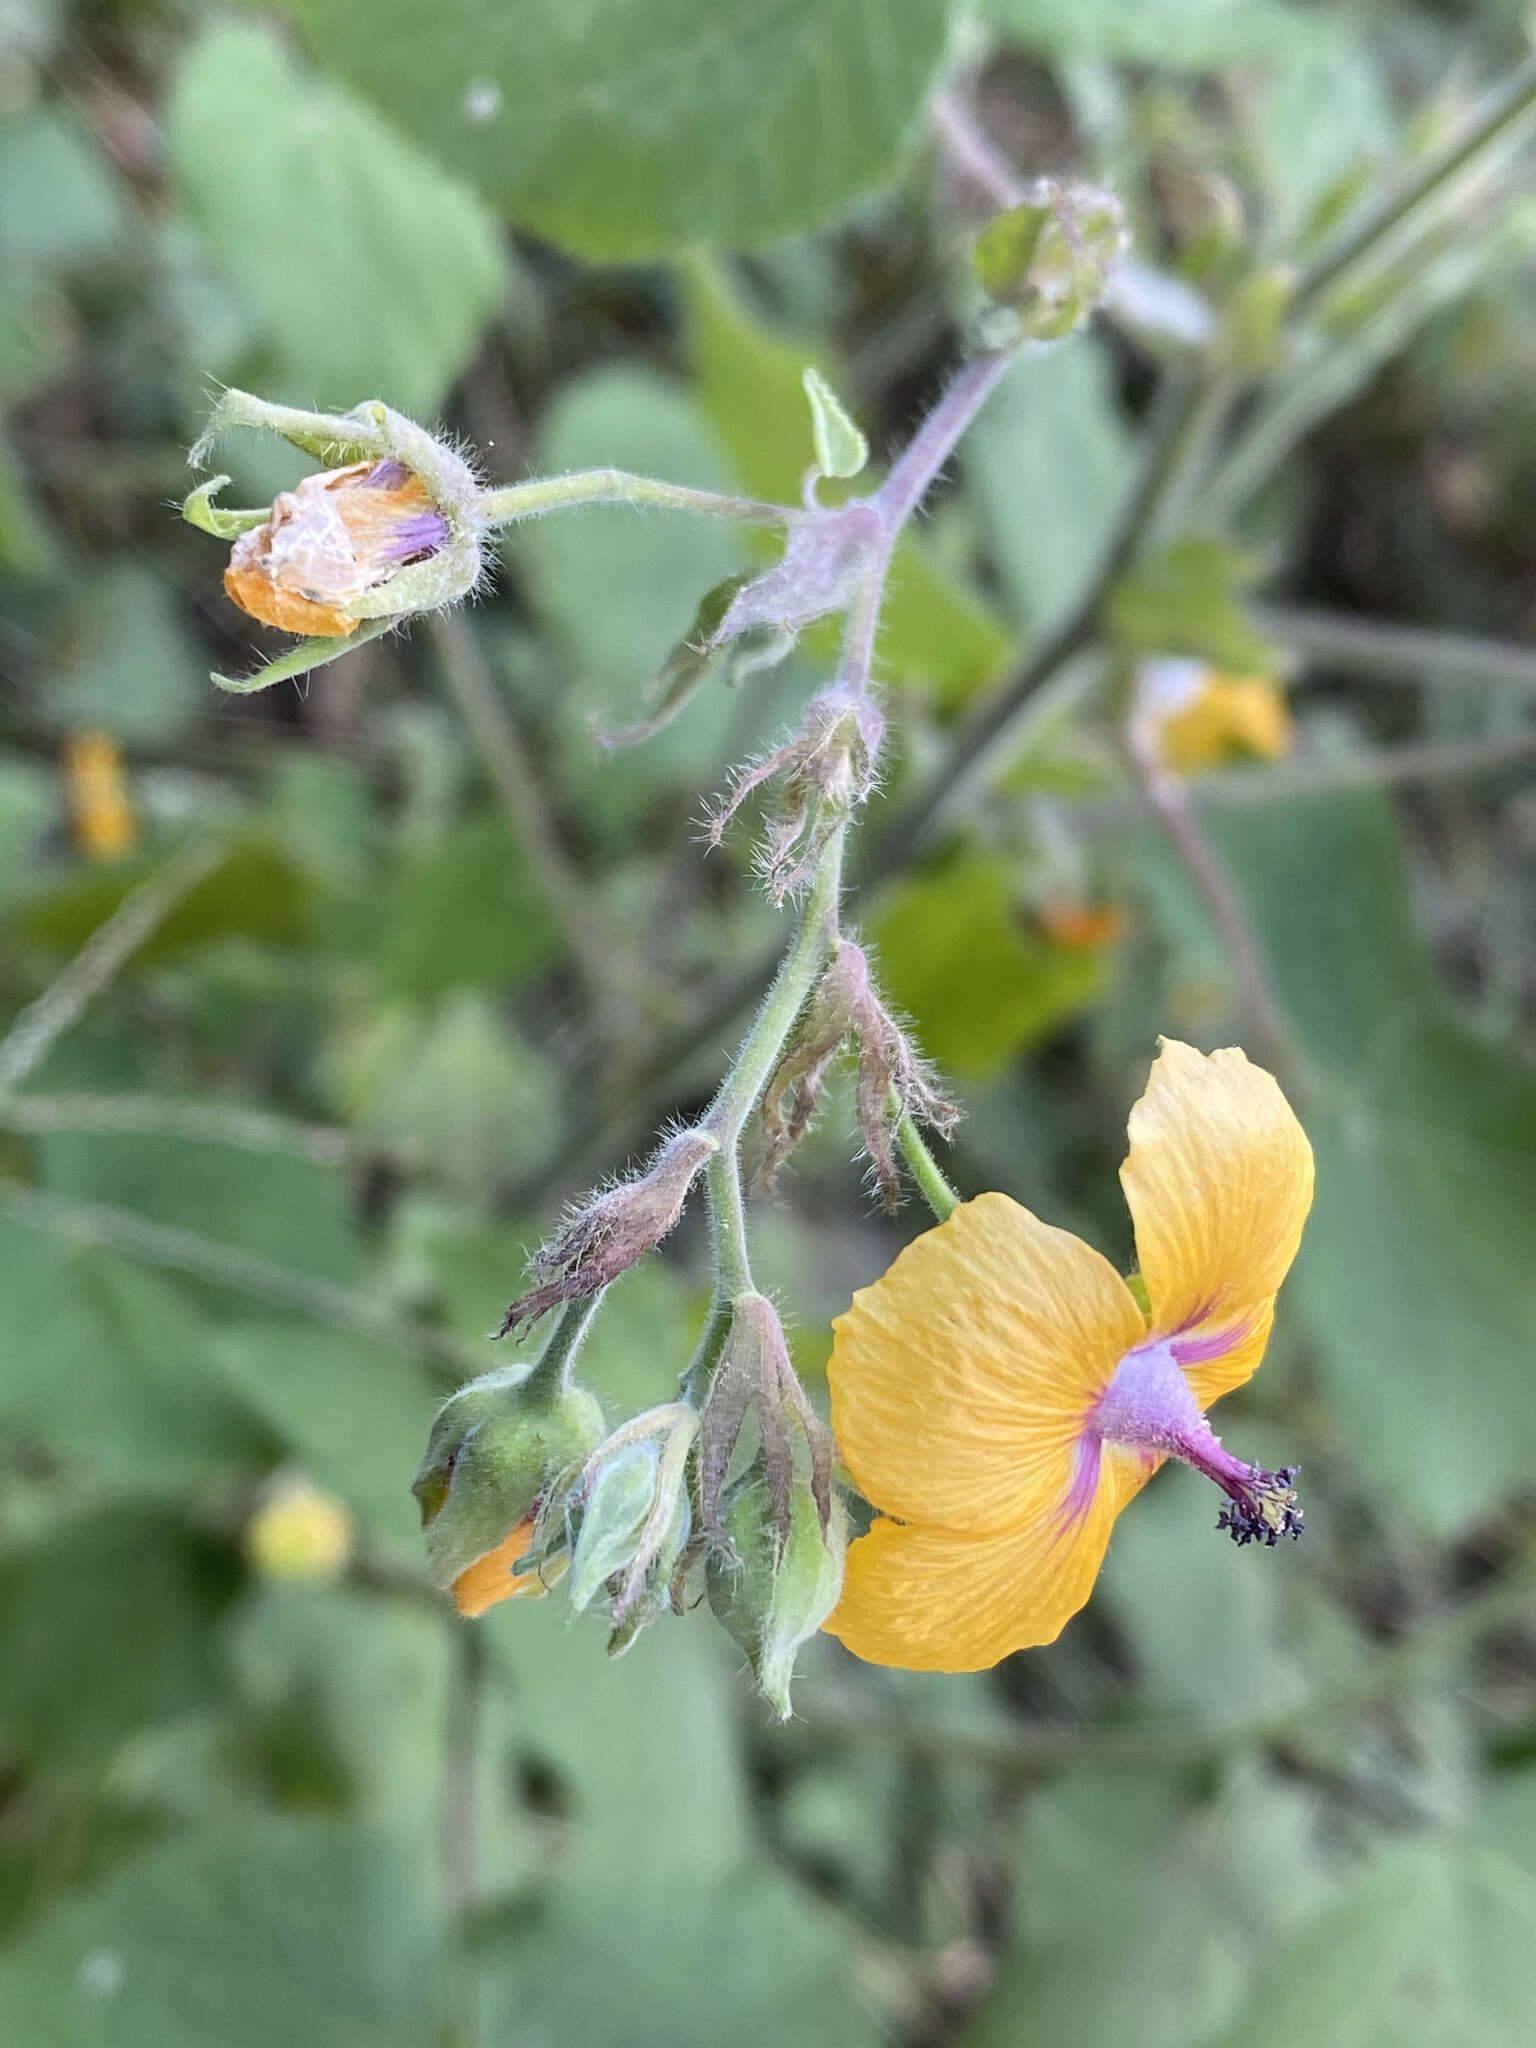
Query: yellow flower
x=1000, y=1396
x=1203, y=718
x=104, y=820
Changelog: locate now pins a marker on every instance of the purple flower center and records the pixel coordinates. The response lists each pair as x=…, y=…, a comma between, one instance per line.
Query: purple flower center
x=1149, y=1406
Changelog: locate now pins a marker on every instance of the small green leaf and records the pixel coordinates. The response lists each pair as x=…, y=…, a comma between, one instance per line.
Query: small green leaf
x=199, y=510
x=685, y=669
x=841, y=450
x=1186, y=599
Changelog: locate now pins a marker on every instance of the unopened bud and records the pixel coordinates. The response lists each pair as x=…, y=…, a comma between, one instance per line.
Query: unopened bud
x=1051, y=259
x=825, y=771
x=755, y=1376
x=394, y=530
x=628, y=1518
x=771, y=1592
x=494, y=1451
x=605, y=1236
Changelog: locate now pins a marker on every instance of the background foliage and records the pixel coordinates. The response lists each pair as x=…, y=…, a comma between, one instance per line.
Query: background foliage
x=264, y=1199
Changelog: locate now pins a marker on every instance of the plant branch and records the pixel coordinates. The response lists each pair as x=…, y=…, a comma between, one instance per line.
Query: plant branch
x=925, y=1170
x=1361, y=238
x=1390, y=653
x=41, y=1024
x=1169, y=802
x=95, y=1225
x=218, y=1123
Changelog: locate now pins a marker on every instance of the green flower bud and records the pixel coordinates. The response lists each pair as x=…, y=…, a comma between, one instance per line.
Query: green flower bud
x=1051, y=259
x=768, y=1598
x=496, y=1447
x=632, y=1516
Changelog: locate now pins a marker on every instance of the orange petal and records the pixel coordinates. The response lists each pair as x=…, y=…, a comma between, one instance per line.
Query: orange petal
x=491, y=1579
x=929, y=1599
x=1219, y=1182
x=263, y=599
x=960, y=1380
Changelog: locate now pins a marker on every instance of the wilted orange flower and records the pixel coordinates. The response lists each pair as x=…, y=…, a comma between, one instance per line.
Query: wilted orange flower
x=1082, y=927
x=1000, y=1396
x=1202, y=718
x=104, y=819
x=330, y=540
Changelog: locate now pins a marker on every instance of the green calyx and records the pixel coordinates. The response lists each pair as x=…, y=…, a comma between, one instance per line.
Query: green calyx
x=494, y=1449
x=1049, y=261
x=771, y=1598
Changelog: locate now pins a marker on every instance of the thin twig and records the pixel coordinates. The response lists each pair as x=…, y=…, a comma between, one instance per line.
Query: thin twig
x=97, y=1226
x=1166, y=795
x=216, y=1123
x=1393, y=653
x=1368, y=231
x=42, y=1023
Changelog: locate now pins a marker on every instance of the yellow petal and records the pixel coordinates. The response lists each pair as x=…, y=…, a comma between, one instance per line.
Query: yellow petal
x=929, y=1599
x=491, y=1579
x=961, y=1379
x=1219, y=1182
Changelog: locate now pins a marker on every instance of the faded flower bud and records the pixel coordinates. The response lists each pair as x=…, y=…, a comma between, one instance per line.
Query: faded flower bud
x=1050, y=260
x=613, y=1229
x=755, y=1376
x=894, y=1081
x=299, y=1534
x=824, y=772
x=771, y=1591
x=496, y=1447
x=627, y=1518
x=395, y=529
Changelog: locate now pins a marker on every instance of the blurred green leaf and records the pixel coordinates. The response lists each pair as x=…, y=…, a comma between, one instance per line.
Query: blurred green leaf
x=26, y=546
x=315, y=1934
x=354, y=1413
x=628, y=128
x=59, y=203
x=371, y=272
x=1415, y=1275
x=1198, y=34
x=108, y=1623
x=466, y=912
x=955, y=956
x=108, y=1368
x=123, y=659
x=1047, y=468
x=255, y=892
x=461, y=1090
x=1186, y=599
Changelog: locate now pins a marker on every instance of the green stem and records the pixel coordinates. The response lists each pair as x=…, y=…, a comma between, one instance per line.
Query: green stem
x=1392, y=653
x=755, y=1062
x=551, y=1375
x=618, y=487
x=934, y=1188
x=1500, y=110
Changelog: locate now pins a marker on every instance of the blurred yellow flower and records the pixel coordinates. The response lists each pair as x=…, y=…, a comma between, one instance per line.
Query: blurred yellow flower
x=1000, y=1396
x=105, y=824
x=299, y=1533
x=1202, y=718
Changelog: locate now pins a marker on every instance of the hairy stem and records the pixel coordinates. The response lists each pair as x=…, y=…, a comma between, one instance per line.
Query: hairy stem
x=617, y=487
x=925, y=1170
x=551, y=1374
x=755, y=1062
